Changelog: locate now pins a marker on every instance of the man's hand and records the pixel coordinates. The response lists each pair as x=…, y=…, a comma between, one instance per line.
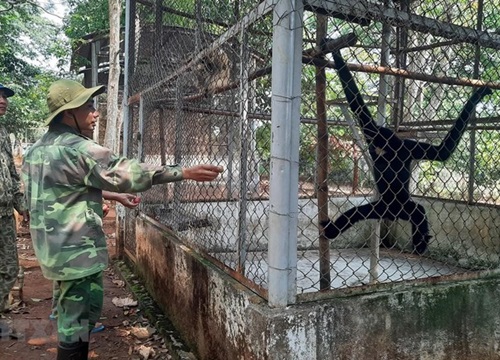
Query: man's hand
x=203, y=172
x=105, y=210
x=128, y=200
x=26, y=216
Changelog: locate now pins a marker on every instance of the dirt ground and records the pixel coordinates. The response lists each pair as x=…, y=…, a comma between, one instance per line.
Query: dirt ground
x=127, y=334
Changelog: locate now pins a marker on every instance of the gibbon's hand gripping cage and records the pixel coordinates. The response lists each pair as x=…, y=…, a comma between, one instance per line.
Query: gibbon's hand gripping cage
x=202, y=85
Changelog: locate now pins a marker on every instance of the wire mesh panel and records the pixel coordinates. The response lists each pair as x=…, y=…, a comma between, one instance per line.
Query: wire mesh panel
x=202, y=72
x=403, y=141
x=396, y=204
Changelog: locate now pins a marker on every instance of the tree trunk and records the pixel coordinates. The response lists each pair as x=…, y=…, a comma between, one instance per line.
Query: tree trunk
x=111, y=136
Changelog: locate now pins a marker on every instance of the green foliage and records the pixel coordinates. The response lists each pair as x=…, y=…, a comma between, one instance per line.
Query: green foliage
x=87, y=17
x=25, y=35
x=340, y=155
x=487, y=158
x=340, y=162
x=88, y=20
x=263, y=139
x=28, y=109
x=192, y=14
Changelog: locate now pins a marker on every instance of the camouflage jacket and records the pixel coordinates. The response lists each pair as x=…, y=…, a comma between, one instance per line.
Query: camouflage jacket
x=11, y=196
x=64, y=174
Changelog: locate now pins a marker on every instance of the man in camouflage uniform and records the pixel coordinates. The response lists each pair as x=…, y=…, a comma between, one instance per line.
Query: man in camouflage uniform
x=64, y=175
x=10, y=198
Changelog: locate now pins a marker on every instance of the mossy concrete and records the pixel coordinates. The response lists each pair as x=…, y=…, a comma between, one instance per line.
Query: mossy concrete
x=219, y=318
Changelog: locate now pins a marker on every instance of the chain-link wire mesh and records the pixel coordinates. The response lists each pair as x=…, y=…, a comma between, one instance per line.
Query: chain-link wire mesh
x=202, y=76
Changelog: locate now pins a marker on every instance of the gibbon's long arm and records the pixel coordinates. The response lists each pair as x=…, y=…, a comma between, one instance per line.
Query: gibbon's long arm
x=443, y=151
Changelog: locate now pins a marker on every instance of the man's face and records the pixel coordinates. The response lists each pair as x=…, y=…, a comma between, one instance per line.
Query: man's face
x=4, y=103
x=86, y=116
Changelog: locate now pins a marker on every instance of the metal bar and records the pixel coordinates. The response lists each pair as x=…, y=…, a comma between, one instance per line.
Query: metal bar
x=406, y=74
x=409, y=134
x=472, y=144
x=428, y=125
x=322, y=158
x=448, y=122
x=161, y=123
x=128, y=69
x=427, y=47
x=355, y=67
x=245, y=134
x=121, y=223
x=284, y=174
x=140, y=135
x=363, y=9
x=178, y=131
x=95, y=46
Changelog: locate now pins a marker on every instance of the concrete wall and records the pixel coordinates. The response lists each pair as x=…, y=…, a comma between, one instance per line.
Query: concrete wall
x=223, y=216
x=222, y=319
x=466, y=234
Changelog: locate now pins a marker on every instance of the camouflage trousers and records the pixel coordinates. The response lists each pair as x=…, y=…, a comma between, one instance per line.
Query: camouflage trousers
x=79, y=307
x=9, y=264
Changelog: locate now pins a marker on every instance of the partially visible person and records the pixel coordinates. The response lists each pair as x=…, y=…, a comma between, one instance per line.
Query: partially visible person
x=64, y=175
x=11, y=198
x=128, y=200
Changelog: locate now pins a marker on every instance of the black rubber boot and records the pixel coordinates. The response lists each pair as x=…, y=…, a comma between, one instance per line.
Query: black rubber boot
x=73, y=351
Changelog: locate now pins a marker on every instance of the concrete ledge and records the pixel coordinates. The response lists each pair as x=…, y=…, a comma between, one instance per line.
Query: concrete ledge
x=221, y=319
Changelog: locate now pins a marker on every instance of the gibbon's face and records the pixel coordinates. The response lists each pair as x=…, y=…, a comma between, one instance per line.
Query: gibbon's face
x=4, y=103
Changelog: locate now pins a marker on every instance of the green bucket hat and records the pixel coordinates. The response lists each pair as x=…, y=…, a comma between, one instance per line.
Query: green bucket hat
x=68, y=94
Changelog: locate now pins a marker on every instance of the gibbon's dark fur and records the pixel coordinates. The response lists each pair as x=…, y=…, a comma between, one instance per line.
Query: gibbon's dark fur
x=392, y=159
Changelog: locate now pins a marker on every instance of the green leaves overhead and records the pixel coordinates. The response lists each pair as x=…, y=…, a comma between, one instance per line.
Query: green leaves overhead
x=87, y=17
x=28, y=40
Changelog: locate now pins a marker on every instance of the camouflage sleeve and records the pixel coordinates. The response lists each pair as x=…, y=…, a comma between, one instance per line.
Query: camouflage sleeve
x=18, y=197
x=108, y=171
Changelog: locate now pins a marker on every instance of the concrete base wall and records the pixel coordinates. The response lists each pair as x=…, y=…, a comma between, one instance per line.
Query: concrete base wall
x=222, y=319
x=464, y=235
x=467, y=233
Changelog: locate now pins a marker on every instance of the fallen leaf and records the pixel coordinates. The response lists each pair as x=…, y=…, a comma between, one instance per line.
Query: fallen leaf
x=42, y=341
x=145, y=351
x=142, y=332
x=121, y=302
x=28, y=258
x=17, y=306
x=119, y=283
x=123, y=332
